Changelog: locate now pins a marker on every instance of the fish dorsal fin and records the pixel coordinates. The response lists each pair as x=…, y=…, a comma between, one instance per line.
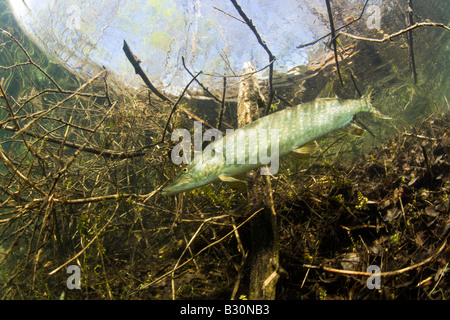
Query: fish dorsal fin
x=328, y=91
x=306, y=150
x=353, y=130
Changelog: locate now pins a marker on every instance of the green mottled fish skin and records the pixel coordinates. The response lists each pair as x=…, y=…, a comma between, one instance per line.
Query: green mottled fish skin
x=297, y=126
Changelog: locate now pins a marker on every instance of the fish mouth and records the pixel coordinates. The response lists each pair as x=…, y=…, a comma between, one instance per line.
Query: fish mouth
x=168, y=191
x=177, y=187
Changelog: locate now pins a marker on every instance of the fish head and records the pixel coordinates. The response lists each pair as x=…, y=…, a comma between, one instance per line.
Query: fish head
x=183, y=182
x=191, y=177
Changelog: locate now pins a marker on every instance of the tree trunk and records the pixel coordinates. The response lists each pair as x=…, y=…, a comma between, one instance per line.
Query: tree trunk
x=264, y=232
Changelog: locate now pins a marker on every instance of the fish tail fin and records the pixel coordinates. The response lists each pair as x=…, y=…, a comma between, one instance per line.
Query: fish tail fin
x=367, y=94
x=367, y=99
x=378, y=114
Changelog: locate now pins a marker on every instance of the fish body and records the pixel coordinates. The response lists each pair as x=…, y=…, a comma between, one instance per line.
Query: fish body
x=294, y=127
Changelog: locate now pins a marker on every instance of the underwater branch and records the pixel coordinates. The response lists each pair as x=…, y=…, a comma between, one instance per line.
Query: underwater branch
x=398, y=33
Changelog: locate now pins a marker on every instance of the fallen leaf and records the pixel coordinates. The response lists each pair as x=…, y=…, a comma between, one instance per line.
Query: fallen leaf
x=429, y=211
x=392, y=214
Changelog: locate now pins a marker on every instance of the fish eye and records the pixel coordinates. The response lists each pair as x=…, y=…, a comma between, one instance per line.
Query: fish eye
x=185, y=170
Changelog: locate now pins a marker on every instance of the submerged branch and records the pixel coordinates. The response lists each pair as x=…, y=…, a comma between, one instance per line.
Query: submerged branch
x=272, y=58
x=199, y=83
x=135, y=61
x=90, y=242
x=222, y=104
x=167, y=274
x=333, y=41
x=176, y=104
x=381, y=274
x=30, y=61
x=398, y=33
x=337, y=29
x=95, y=150
x=410, y=42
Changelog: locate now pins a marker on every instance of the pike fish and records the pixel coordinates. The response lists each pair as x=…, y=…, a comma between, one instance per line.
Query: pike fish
x=297, y=129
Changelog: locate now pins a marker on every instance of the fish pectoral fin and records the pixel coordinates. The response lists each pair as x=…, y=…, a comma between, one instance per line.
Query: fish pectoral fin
x=233, y=183
x=227, y=178
x=306, y=150
x=353, y=130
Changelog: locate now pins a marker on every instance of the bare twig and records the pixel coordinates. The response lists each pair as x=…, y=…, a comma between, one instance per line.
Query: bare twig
x=272, y=58
x=113, y=154
x=142, y=197
x=398, y=33
x=49, y=110
x=333, y=40
x=410, y=41
x=89, y=244
x=69, y=162
x=15, y=121
x=337, y=29
x=47, y=91
x=188, y=247
x=221, y=101
x=106, y=87
x=135, y=61
x=18, y=173
x=199, y=83
x=199, y=252
x=222, y=106
x=30, y=61
x=41, y=114
x=381, y=274
x=239, y=75
x=230, y=15
x=176, y=104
